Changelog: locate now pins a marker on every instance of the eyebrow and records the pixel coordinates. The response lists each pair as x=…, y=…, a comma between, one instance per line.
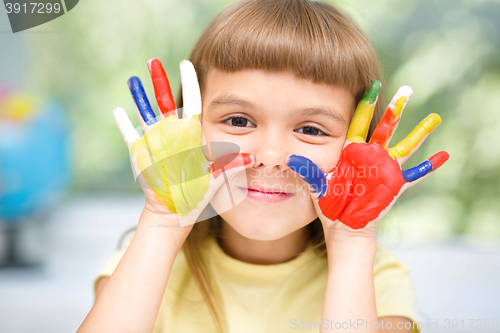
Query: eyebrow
x=329, y=112
x=225, y=100
x=230, y=100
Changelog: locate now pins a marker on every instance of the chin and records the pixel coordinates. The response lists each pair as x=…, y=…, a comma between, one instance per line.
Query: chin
x=256, y=219
x=267, y=224
x=263, y=229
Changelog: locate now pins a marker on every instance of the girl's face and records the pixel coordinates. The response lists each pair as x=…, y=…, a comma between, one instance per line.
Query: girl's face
x=272, y=115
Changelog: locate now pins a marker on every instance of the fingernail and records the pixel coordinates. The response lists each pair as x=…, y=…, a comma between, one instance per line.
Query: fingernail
x=155, y=68
x=438, y=159
x=431, y=122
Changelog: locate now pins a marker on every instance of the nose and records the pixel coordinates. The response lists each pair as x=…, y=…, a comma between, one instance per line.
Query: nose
x=272, y=155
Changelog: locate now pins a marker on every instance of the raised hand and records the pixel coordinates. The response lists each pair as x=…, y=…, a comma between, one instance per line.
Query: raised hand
x=368, y=177
x=170, y=160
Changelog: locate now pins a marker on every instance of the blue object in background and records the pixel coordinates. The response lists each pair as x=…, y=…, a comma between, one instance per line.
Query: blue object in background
x=34, y=153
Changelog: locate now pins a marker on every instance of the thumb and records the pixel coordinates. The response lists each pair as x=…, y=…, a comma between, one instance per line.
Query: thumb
x=310, y=173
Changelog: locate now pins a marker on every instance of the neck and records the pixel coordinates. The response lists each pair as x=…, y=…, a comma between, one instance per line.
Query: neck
x=262, y=252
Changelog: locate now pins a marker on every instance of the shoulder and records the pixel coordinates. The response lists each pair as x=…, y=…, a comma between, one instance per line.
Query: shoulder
x=386, y=260
x=395, y=294
x=178, y=275
x=391, y=272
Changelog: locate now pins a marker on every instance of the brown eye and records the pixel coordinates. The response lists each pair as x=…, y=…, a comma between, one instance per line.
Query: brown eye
x=309, y=130
x=238, y=122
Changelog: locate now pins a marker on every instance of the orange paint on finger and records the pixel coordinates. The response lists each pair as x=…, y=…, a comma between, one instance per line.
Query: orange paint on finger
x=388, y=123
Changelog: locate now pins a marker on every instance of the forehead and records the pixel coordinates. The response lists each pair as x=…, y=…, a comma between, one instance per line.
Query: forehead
x=273, y=89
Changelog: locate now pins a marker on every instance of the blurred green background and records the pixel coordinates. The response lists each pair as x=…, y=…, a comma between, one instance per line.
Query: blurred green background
x=448, y=51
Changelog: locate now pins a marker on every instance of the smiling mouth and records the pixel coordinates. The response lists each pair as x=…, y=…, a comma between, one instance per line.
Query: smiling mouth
x=267, y=195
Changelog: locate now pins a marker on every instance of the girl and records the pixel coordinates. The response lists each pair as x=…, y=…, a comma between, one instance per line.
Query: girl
x=293, y=245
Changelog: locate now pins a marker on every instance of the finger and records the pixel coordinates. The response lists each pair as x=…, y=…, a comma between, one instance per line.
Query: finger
x=126, y=128
x=385, y=129
x=225, y=182
x=190, y=90
x=223, y=169
x=234, y=162
x=360, y=123
x=309, y=172
x=163, y=93
x=416, y=174
x=406, y=147
x=144, y=111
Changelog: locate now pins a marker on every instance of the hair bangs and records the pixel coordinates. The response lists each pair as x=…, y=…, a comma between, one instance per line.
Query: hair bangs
x=289, y=35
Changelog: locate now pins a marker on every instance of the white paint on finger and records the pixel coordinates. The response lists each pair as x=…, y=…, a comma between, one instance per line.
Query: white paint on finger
x=191, y=95
x=402, y=91
x=126, y=128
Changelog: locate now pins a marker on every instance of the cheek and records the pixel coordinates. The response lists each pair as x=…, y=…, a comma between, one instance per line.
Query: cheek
x=324, y=156
x=209, y=131
x=213, y=133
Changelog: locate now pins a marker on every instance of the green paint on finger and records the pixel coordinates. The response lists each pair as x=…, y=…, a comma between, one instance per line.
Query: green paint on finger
x=371, y=95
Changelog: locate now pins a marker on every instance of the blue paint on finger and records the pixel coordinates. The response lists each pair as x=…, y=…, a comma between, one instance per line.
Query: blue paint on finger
x=310, y=172
x=141, y=100
x=418, y=171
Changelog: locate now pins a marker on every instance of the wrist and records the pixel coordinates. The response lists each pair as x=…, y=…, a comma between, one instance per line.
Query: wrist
x=347, y=247
x=353, y=258
x=170, y=228
x=356, y=247
x=339, y=232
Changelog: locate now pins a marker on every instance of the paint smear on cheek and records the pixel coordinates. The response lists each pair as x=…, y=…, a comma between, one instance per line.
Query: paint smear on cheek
x=171, y=161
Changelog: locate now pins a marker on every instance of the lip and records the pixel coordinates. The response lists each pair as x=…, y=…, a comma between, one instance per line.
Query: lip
x=266, y=194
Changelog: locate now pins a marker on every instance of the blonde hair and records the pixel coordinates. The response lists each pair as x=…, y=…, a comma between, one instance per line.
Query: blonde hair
x=312, y=39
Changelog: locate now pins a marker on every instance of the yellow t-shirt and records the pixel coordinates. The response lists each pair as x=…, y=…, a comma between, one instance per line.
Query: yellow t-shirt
x=286, y=297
